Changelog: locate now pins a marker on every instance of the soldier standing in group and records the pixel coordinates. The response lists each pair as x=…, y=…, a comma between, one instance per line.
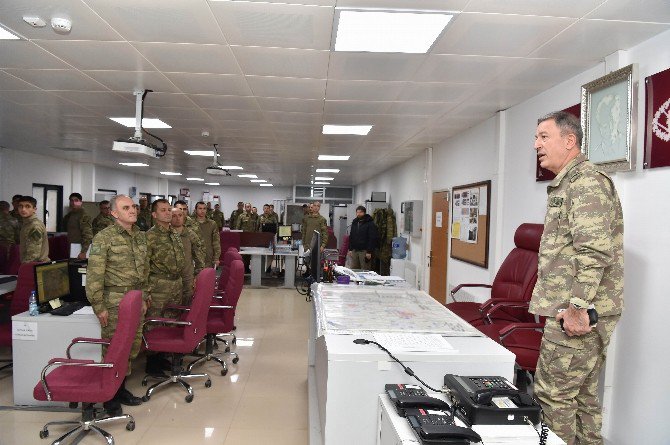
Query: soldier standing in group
x=580, y=265
x=268, y=222
x=209, y=233
x=15, y=209
x=165, y=255
x=77, y=223
x=144, y=219
x=273, y=213
x=117, y=264
x=210, y=212
x=104, y=218
x=9, y=226
x=246, y=223
x=33, y=243
x=194, y=254
x=235, y=215
x=218, y=217
x=254, y=216
x=188, y=220
x=314, y=221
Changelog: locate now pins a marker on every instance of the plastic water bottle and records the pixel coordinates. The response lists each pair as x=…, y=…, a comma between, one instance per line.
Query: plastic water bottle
x=32, y=304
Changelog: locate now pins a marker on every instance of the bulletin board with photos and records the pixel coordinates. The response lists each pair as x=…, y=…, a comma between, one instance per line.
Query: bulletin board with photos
x=470, y=210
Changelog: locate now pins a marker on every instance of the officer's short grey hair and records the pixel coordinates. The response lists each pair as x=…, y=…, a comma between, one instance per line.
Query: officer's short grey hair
x=112, y=202
x=566, y=122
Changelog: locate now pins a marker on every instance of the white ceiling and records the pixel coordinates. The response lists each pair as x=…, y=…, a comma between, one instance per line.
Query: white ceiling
x=261, y=78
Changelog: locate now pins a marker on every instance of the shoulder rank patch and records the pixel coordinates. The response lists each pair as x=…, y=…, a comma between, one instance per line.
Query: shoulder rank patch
x=555, y=201
x=575, y=176
x=95, y=250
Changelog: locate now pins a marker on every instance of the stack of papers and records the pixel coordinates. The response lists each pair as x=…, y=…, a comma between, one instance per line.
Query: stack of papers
x=86, y=310
x=513, y=435
x=401, y=342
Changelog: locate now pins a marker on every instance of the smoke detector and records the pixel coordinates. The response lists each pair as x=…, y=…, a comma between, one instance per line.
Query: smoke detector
x=205, y=133
x=61, y=25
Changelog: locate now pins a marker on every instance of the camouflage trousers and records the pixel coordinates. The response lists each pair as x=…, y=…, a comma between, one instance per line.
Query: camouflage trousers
x=187, y=289
x=163, y=292
x=566, y=380
x=113, y=301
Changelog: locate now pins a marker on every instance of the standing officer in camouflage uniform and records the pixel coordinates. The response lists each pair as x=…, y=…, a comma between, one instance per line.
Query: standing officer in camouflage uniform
x=218, y=217
x=77, y=223
x=33, y=243
x=9, y=226
x=580, y=264
x=210, y=236
x=272, y=212
x=15, y=209
x=268, y=222
x=314, y=221
x=165, y=254
x=246, y=223
x=189, y=221
x=144, y=220
x=104, y=218
x=232, y=223
x=117, y=264
x=210, y=212
x=194, y=254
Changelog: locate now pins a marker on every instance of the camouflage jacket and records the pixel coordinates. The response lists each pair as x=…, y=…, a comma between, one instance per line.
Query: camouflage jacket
x=144, y=219
x=117, y=261
x=267, y=219
x=9, y=229
x=211, y=241
x=100, y=222
x=581, y=251
x=194, y=252
x=165, y=253
x=234, y=217
x=313, y=222
x=247, y=222
x=34, y=245
x=219, y=218
x=77, y=223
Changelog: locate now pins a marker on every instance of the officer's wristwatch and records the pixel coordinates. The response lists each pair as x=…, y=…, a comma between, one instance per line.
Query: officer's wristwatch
x=578, y=303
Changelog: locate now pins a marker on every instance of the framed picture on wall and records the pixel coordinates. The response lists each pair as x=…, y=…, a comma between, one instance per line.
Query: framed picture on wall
x=657, y=128
x=608, y=119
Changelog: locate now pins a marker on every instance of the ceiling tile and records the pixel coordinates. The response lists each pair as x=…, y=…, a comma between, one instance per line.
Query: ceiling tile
x=506, y=35
x=159, y=99
x=554, y=8
x=282, y=62
x=638, y=11
x=86, y=98
x=374, y=66
x=437, y=92
x=34, y=97
x=291, y=105
x=540, y=73
x=432, y=5
x=189, y=58
x=294, y=118
x=363, y=90
x=170, y=21
x=223, y=84
x=421, y=108
x=287, y=87
x=225, y=102
x=356, y=107
x=128, y=81
x=236, y=115
x=462, y=69
x=9, y=82
x=294, y=2
x=58, y=79
x=175, y=112
x=23, y=54
x=275, y=25
x=91, y=55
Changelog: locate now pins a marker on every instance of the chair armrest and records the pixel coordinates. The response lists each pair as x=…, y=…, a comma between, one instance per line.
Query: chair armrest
x=177, y=307
x=67, y=362
x=504, y=304
x=92, y=341
x=220, y=307
x=461, y=286
x=507, y=330
x=167, y=321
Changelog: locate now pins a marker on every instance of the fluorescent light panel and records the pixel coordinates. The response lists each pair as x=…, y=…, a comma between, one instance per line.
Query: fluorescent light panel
x=327, y=170
x=230, y=167
x=134, y=164
x=146, y=122
x=247, y=176
x=323, y=178
x=321, y=183
x=333, y=158
x=360, y=130
x=389, y=31
x=266, y=185
x=209, y=153
x=195, y=179
x=258, y=180
x=7, y=35
x=170, y=173
x=212, y=183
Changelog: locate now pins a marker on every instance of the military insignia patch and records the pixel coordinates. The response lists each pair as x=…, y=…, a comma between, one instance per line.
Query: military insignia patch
x=95, y=250
x=555, y=201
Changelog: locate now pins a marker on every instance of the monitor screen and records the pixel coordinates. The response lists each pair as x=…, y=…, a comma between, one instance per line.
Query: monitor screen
x=284, y=232
x=52, y=280
x=315, y=263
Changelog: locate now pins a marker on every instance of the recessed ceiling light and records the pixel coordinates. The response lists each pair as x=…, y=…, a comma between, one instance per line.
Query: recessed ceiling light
x=321, y=183
x=266, y=185
x=327, y=170
x=170, y=173
x=389, y=31
x=247, y=176
x=195, y=179
x=200, y=152
x=333, y=158
x=146, y=122
x=212, y=183
x=258, y=180
x=134, y=164
x=230, y=167
x=7, y=35
x=360, y=130
x=323, y=178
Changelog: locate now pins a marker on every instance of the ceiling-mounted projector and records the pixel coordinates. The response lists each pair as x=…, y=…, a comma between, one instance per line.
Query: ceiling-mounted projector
x=216, y=169
x=136, y=143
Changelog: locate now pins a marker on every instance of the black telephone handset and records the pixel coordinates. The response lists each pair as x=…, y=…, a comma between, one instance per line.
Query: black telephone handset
x=438, y=428
x=406, y=397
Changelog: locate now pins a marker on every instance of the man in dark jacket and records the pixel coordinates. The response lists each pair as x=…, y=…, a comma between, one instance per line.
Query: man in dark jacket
x=362, y=240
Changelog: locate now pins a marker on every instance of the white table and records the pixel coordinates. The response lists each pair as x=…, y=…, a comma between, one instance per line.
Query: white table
x=8, y=286
x=51, y=335
x=345, y=379
x=258, y=253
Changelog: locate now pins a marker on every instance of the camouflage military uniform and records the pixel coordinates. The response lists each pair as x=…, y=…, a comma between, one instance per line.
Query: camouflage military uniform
x=581, y=255
x=219, y=218
x=313, y=222
x=234, y=218
x=77, y=223
x=194, y=261
x=34, y=245
x=9, y=229
x=211, y=241
x=267, y=219
x=246, y=222
x=165, y=255
x=144, y=219
x=117, y=264
x=101, y=221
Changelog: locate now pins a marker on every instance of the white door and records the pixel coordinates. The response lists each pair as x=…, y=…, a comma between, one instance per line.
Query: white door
x=52, y=211
x=38, y=194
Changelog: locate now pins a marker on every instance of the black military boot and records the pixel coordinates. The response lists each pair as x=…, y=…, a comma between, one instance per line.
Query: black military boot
x=125, y=397
x=155, y=366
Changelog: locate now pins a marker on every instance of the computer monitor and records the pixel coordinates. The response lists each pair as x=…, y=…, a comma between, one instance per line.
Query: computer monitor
x=284, y=233
x=315, y=259
x=52, y=280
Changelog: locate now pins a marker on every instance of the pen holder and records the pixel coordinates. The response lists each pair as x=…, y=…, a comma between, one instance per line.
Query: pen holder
x=343, y=279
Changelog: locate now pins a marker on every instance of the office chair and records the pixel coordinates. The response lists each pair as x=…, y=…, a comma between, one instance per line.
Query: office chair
x=25, y=284
x=179, y=336
x=221, y=318
x=512, y=287
x=91, y=382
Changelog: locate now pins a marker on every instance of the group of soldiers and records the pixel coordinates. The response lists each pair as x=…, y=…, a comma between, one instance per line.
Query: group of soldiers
x=247, y=219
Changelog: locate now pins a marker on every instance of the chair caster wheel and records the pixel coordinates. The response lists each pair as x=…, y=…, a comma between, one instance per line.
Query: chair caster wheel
x=216, y=345
x=145, y=398
x=130, y=426
x=189, y=398
x=44, y=434
x=236, y=359
x=224, y=371
x=228, y=349
x=208, y=384
x=235, y=340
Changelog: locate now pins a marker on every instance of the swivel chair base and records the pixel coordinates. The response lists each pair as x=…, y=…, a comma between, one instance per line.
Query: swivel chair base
x=210, y=342
x=87, y=424
x=177, y=376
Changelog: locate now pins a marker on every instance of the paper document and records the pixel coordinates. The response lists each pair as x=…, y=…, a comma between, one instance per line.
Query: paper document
x=412, y=342
x=86, y=310
x=75, y=249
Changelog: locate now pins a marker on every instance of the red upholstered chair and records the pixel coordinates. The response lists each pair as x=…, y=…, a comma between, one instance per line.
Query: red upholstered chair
x=13, y=260
x=512, y=287
x=228, y=257
x=228, y=239
x=342, y=260
x=25, y=284
x=59, y=247
x=90, y=382
x=222, y=316
x=180, y=336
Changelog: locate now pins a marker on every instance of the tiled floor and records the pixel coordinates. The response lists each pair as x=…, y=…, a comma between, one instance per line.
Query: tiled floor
x=262, y=400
